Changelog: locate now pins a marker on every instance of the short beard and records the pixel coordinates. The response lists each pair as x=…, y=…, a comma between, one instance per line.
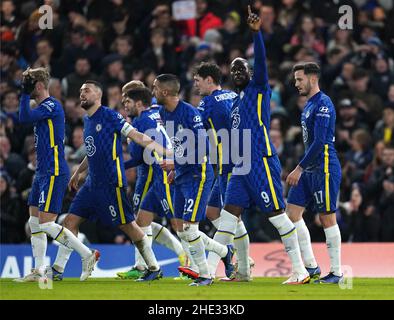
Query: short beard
x=87, y=105
x=307, y=90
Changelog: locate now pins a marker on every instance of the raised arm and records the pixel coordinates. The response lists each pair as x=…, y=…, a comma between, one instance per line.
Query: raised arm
x=260, y=74
x=26, y=114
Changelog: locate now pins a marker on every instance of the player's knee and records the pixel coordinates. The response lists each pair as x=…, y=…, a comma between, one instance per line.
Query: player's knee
x=213, y=213
x=142, y=219
x=328, y=219
x=71, y=224
x=234, y=210
x=294, y=212
x=175, y=225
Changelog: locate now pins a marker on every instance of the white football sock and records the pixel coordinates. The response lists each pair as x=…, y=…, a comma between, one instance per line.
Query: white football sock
x=62, y=257
x=214, y=246
x=145, y=249
x=333, y=241
x=164, y=237
x=65, y=237
x=304, y=240
x=38, y=241
x=185, y=246
x=139, y=260
x=225, y=235
x=241, y=245
x=227, y=228
x=216, y=223
x=197, y=249
x=289, y=237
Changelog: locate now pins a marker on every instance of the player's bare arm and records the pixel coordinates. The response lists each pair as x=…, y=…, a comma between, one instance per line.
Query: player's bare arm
x=167, y=165
x=294, y=176
x=146, y=142
x=74, y=181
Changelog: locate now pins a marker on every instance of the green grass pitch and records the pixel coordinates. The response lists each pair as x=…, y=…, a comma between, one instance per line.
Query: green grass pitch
x=169, y=289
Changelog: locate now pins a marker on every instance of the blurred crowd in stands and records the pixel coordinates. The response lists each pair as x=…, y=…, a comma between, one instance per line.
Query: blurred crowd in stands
x=115, y=41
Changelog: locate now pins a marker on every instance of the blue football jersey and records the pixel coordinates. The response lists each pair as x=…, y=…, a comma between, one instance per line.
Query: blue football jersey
x=144, y=171
x=103, y=142
x=189, y=160
x=215, y=110
x=251, y=108
x=49, y=130
x=318, y=131
x=150, y=123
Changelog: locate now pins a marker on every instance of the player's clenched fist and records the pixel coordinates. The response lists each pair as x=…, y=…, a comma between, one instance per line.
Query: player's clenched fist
x=253, y=20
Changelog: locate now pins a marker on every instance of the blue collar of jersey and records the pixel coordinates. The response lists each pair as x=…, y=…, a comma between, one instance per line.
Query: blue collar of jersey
x=315, y=96
x=97, y=112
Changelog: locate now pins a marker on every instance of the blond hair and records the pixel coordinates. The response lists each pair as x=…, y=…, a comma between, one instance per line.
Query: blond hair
x=38, y=74
x=134, y=84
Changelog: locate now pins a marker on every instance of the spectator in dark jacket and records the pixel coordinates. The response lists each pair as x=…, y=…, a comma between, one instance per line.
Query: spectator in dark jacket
x=384, y=129
x=73, y=82
x=386, y=209
x=160, y=57
x=12, y=223
x=13, y=162
x=362, y=219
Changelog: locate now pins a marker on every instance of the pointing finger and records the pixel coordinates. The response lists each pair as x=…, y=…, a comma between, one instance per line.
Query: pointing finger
x=249, y=10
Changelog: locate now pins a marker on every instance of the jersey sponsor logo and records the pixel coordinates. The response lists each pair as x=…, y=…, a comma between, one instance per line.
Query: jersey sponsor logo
x=197, y=119
x=90, y=147
x=99, y=127
x=323, y=109
x=225, y=96
x=326, y=115
x=177, y=145
x=304, y=131
x=235, y=118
